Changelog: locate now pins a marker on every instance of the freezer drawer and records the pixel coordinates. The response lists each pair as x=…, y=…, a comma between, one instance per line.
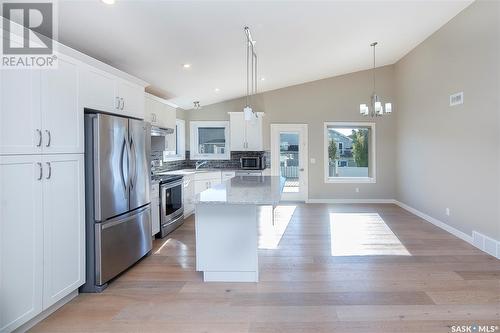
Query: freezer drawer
x=121, y=242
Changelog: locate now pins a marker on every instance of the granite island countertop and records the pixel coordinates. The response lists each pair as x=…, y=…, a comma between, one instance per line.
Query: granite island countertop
x=244, y=190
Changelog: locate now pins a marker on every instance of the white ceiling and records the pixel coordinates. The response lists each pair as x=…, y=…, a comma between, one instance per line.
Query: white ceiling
x=296, y=41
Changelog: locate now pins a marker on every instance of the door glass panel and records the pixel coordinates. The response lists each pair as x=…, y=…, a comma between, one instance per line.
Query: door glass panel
x=289, y=161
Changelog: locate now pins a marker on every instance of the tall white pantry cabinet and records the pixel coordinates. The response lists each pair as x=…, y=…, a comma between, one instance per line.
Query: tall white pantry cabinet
x=42, y=199
x=42, y=192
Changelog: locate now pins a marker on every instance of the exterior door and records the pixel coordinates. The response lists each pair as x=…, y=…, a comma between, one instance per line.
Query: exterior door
x=289, y=159
x=64, y=226
x=139, y=161
x=21, y=240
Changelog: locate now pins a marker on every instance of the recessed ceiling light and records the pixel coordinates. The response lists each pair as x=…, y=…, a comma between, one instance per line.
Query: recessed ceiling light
x=263, y=79
x=108, y=2
x=216, y=89
x=186, y=65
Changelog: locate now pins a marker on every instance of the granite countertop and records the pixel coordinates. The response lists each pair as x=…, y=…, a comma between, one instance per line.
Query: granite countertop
x=244, y=190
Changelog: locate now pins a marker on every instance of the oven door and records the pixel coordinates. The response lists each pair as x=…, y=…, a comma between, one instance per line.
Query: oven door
x=171, y=201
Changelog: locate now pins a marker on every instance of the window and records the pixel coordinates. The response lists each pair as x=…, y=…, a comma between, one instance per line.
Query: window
x=180, y=142
x=349, y=152
x=209, y=140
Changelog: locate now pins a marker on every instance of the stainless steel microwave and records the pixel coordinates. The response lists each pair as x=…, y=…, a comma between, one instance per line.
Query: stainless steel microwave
x=253, y=163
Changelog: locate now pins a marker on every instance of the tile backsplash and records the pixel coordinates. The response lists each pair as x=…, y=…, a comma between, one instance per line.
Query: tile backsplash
x=233, y=163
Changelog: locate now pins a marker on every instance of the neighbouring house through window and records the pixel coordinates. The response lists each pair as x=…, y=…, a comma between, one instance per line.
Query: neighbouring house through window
x=349, y=152
x=209, y=140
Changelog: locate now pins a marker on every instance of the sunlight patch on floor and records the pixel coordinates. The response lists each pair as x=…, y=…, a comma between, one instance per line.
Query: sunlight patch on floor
x=270, y=233
x=363, y=234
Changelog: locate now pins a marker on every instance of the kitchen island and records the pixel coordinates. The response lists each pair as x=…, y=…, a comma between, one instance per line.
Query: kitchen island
x=227, y=227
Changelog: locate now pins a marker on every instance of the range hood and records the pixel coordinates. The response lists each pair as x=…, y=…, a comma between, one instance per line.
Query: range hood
x=163, y=140
x=161, y=131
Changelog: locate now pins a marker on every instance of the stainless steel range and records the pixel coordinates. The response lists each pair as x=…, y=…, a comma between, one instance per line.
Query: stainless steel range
x=171, y=206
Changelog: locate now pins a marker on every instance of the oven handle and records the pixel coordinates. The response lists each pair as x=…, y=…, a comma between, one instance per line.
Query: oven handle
x=171, y=185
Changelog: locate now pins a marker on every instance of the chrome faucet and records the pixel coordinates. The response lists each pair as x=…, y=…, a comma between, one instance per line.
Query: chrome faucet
x=199, y=164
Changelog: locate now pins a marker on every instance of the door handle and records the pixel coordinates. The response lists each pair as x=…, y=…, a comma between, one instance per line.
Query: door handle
x=49, y=138
x=50, y=170
x=301, y=169
x=133, y=175
x=39, y=144
x=41, y=171
x=121, y=169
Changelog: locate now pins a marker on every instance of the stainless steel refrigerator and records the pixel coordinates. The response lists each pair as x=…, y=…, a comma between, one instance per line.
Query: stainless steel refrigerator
x=117, y=184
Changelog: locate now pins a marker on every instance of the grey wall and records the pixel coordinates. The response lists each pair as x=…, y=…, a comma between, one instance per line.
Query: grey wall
x=313, y=103
x=449, y=156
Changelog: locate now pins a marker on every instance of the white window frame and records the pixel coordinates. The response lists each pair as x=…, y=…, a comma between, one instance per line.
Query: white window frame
x=180, y=140
x=373, y=154
x=193, y=140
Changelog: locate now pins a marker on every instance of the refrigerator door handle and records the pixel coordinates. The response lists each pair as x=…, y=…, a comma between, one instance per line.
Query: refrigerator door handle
x=133, y=174
x=122, y=171
x=129, y=158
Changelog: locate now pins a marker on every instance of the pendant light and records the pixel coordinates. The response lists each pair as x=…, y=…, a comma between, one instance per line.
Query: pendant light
x=376, y=109
x=251, y=82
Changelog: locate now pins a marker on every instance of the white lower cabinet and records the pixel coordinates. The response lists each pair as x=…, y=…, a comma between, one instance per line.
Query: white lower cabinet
x=42, y=248
x=63, y=226
x=188, y=194
x=21, y=240
x=155, y=209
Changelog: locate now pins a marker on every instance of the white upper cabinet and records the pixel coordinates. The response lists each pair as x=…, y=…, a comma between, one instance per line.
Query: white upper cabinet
x=20, y=118
x=132, y=98
x=102, y=91
x=40, y=110
x=62, y=117
x=245, y=135
x=21, y=240
x=98, y=90
x=63, y=226
x=158, y=113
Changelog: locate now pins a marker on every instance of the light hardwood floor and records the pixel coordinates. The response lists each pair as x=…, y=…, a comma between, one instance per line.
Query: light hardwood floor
x=337, y=268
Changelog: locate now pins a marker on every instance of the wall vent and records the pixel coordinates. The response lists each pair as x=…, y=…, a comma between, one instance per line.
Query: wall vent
x=457, y=99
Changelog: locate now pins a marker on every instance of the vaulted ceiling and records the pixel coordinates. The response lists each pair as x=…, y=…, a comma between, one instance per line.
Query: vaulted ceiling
x=297, y=41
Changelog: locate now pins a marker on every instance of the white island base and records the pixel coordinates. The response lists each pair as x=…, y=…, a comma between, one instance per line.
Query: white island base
x=227, y=221
x=226, y=243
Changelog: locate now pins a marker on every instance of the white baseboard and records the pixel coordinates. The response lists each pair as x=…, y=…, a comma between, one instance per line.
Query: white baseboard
x=351, y=201
x=436, y=222
x=482, y=242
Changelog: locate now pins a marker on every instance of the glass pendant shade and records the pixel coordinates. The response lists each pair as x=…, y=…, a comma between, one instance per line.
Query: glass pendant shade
x=247, y=112
x=388, y=107
x=362, y=108
x=378, y=108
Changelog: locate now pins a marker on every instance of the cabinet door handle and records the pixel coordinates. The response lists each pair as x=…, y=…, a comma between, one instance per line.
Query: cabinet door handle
x=117, y=105
x=49, y=138
x=39, y=144
x=40, y=172
x=123, y=103
x=50, y=170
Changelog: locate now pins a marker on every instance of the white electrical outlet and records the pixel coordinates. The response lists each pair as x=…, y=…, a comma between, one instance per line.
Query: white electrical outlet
x=447, y=212
x=357, y=189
